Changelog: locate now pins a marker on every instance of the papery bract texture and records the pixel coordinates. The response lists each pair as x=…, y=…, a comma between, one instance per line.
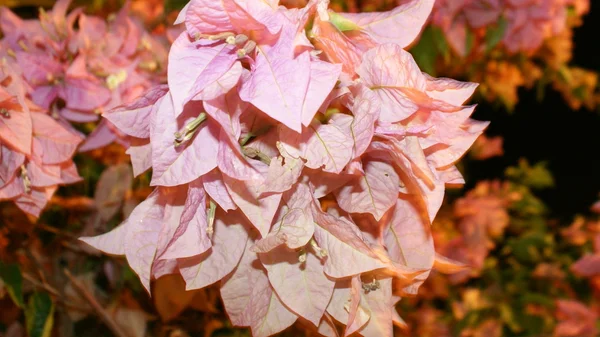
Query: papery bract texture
x=300, y=157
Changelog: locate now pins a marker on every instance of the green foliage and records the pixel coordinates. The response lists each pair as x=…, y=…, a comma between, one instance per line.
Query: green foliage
x=469, y=42
x=10, y=274
x=494, y=35
x=537, y=176
x=39, y=315
x=430, y=46
x=171, y=5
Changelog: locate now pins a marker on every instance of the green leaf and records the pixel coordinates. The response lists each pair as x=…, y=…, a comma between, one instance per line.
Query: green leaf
x=508, y=317
x=342, y=23
x=469, y=42
x=10, y=274
x=536, y=298
x=39, y=315
x=426, y=52
x=494, y=35
x=171, y=5
x=440, y=42
x=580, y=92
x=536, y=176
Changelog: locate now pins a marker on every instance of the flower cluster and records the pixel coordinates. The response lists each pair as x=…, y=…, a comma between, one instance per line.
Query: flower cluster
x=299, y=158
x=526, y=285
x=77, y=66
x=497, y=30
x=35, y=150
x=527, y=23
x=482, y=216
x=502, y=44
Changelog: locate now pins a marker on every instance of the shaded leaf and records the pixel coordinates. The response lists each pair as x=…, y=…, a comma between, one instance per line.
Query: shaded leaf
x=10, y=274
x=39, y=315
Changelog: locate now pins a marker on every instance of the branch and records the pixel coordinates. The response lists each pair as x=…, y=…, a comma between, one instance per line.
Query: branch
x=102, y=313
x=63, y=301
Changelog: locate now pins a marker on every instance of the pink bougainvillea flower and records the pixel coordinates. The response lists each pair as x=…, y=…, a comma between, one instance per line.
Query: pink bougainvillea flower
x=530, y=22
x=220, y=36
x=15, y=124
x=422, y=123
x=36, y=150
x=302, y=172
x=49, y=165
x=487, y=147
x=575, y=319
x=457, y=18
x=78, y=66
x=523, y=25
x=589, y=265
x=344, y=37
x=483, y=216
x=596, y=207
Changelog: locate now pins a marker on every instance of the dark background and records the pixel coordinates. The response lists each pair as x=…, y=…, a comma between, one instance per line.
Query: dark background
x=550, y=131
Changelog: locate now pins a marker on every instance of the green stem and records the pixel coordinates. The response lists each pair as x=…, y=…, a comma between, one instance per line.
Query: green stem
x=256, y=154
x=189, y=130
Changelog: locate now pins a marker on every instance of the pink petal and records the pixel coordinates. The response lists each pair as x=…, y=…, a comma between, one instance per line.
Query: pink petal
x=587, y=266
x=375, y=192
x=216, y=189
x=112, y=242
x=260, y=210
x=38, y=68
x=323, y=183
x=10, y=161
x=179, y=165
x=339, y=48
x=323, y=77
x=46, y=176
x=348, y=253
x=140, y=152
x=449, y=90
x=190, y=238
x=365, y=108
x=34, y=202
x=281, y=175
x=99, y=138
x=134, y=119
x=78, y=116
x=206, y=17
x=16, y=130
x=250, y=301
x=409, y=242
x=286, y=80
x=302, y=287
x=232, y=162
x=194, y=66
x=51, y=141
x=228, y=245
x=392, y=73
x=399, y=26
x=141, y=237
x=223, y=84
x=294, y=226
x=328, y=146
x=347, y=294
x=380, y=304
